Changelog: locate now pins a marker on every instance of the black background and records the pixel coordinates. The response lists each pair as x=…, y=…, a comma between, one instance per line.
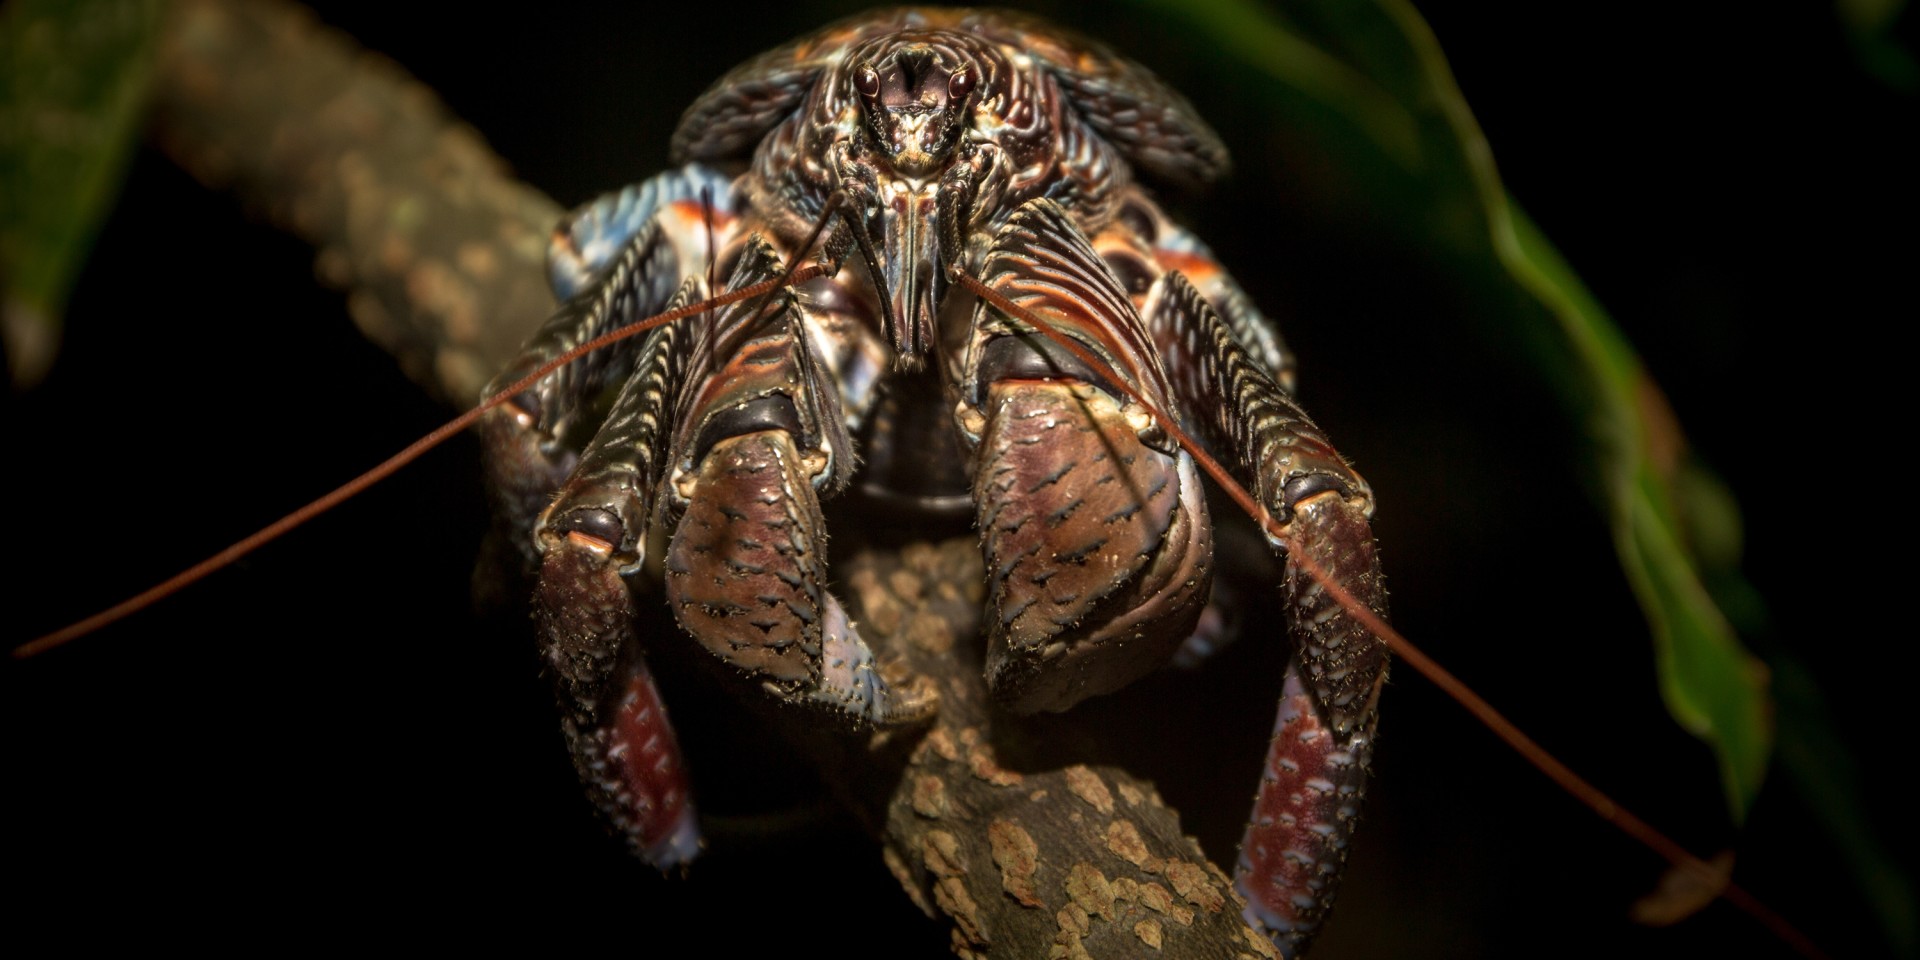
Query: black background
x=324, y=742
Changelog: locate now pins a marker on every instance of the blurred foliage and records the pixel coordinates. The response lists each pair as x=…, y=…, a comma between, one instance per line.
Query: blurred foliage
x=73, y=78
x=1368, y=81
x=1869, y=25
x=1369, y=88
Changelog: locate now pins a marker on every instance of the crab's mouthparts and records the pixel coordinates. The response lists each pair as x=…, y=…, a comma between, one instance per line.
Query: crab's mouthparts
x=910, y=252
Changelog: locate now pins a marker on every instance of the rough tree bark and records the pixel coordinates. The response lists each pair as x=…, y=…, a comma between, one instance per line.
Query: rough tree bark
x=440, y=251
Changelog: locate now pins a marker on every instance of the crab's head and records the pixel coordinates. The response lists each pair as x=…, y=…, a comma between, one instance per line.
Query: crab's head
x=915, y=92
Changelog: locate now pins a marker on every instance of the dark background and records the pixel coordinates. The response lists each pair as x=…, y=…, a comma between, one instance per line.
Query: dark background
x=324, y=740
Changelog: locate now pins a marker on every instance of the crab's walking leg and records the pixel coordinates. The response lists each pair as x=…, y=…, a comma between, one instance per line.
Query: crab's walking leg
x=590, y=537
x=1296, y=841
x=612, y=262
x=616, y=730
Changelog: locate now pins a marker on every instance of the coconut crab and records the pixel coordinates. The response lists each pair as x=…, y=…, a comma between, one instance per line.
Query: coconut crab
x=958, y=175
x=344, y=567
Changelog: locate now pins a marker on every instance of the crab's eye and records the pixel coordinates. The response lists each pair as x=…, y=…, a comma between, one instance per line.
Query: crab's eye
x=867, y=81
x=960, y=84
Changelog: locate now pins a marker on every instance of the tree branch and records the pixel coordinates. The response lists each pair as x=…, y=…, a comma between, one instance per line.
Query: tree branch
x=440, y=250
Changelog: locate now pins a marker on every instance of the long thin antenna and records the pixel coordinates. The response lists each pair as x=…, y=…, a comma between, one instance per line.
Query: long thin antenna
x=345, y=491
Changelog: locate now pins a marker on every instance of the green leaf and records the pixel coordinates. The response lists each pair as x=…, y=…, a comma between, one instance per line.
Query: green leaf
x=1712, y=686
x=1412, y=143
x=73, y=78
x=1368, y=84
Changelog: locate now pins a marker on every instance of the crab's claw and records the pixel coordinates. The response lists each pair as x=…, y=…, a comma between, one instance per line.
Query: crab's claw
x=1093, y=524
x=762, y=433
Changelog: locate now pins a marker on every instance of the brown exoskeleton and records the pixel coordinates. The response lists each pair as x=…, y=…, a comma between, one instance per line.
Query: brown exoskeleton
x=902, y=150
